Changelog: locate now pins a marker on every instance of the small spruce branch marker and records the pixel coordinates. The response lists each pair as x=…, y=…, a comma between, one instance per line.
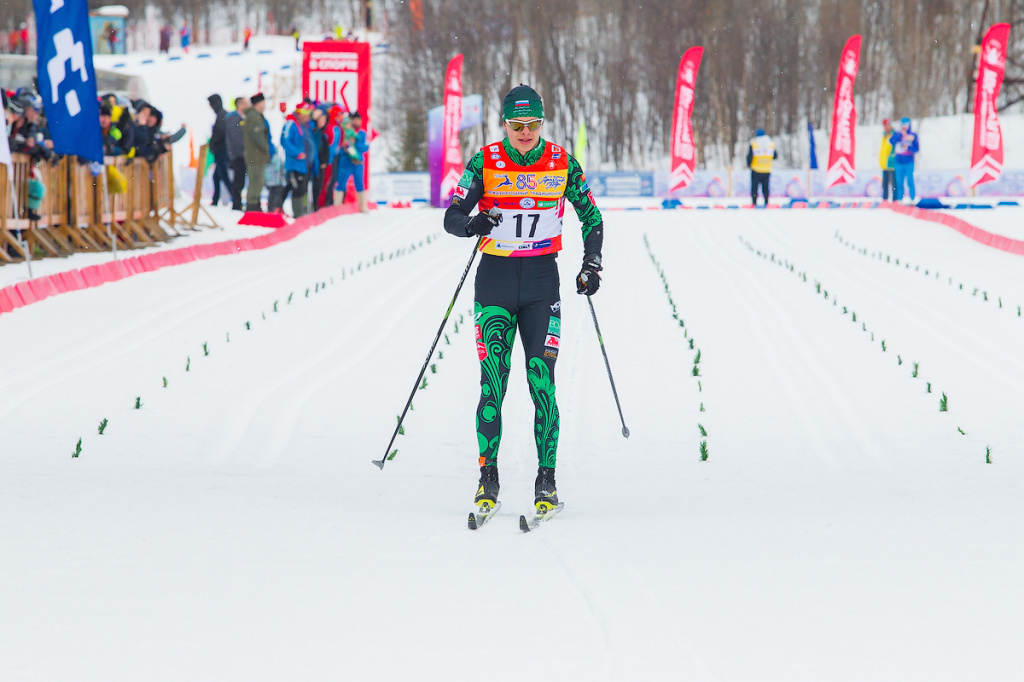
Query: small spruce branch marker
x=103, y=426
x=988, y=454
x=78, y=449
x=138, y=403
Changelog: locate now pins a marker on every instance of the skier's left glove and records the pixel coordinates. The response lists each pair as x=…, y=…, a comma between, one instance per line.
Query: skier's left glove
x=588, y=281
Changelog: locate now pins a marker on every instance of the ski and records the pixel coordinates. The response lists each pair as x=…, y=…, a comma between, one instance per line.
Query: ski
x=528, y=524
x=482, y=515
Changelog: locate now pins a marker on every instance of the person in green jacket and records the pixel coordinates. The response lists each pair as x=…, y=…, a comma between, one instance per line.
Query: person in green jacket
x=258, y=150
x=885, y=160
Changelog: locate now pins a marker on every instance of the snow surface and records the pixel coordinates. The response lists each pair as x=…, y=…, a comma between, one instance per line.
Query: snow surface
x=233, y=528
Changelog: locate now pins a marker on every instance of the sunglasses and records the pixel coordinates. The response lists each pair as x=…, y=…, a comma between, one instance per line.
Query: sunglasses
x=516, y=126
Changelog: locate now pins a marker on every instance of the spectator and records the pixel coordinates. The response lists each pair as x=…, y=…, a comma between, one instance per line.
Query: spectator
x=141, y=131
x=23, y=38
x=186, y=37
x=885, y=160
x=295, y=34
x=122, y=118
x=905, y=145
x=332, y=138
x=111, y=133
x=277, y=187
x=299, y=156
x=219, y=147
x=165, y=38
x=234, y=137
x=159, y=142
x=759, y=160
x=258, y=150
x=111, y=36
x=349, y=160
x=28, y=131
x=247, y=36
x=318, y=129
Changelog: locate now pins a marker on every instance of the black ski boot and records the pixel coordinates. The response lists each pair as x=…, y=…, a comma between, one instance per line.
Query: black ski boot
x=487, y=490
x=544, y=493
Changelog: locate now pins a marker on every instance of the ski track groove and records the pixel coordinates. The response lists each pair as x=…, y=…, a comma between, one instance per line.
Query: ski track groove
x=767, y=347
x=907, y=307
x=307, y=379
x=972, y=348
x=141, y=332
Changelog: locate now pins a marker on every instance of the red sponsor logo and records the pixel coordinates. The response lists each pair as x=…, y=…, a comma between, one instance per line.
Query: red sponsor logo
x=551, y=341
x=461, y=192
x=481, y=347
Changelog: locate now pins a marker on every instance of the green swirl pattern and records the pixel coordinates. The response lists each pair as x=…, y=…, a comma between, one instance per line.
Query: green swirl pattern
x=498, y=333
x=545, y=423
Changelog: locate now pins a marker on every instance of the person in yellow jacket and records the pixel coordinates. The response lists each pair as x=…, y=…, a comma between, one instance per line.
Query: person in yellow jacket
x=885, y=161
x=759, y=160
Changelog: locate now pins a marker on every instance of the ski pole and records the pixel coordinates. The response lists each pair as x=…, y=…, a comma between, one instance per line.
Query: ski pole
x=415, y=386
x=625, y=431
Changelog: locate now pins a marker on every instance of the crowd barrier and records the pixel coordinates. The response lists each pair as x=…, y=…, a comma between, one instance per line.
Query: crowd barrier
x=83, y=212
x=996, y=241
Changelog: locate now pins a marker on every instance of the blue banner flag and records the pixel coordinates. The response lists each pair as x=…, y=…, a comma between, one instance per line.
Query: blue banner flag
x=67, y=82
x=814, y=154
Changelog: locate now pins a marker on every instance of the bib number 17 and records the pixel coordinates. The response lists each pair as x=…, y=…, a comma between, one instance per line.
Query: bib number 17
x=533, y=226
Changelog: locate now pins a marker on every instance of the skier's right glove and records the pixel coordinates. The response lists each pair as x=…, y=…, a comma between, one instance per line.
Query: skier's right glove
x=588, y=281
x=482, y=223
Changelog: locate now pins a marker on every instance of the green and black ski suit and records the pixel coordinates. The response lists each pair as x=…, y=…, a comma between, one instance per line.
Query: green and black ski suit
x=520, y=292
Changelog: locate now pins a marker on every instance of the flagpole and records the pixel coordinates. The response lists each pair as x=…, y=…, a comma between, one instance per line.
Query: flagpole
x=24, y=242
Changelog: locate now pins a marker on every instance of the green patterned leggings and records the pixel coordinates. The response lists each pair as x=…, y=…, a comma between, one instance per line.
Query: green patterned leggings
x=518, y=293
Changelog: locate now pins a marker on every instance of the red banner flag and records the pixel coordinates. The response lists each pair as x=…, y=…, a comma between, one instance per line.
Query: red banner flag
x=452, y=169
x=684, y=154
x=339, y=71
x=987, y=157
x=841, y=164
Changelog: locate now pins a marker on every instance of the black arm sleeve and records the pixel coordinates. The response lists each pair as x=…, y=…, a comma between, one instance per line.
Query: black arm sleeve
x=750, y=155
x=577, y=191
x=456, y=217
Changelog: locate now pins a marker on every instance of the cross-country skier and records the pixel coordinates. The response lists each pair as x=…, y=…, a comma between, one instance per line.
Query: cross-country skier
x=528, y=180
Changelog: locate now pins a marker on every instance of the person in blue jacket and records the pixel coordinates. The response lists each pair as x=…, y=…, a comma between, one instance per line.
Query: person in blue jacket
x=904, y=146
x=300, y=156
x=350, y=154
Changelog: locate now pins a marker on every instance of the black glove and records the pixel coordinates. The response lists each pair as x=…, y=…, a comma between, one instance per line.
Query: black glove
x=482, y=223
x=588, y=281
